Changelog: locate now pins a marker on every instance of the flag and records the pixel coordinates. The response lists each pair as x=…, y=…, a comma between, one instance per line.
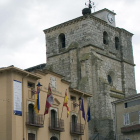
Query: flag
x=88, y=113
x=66, y=103
x=82, y=108
x=49, y=100
x=36, y=105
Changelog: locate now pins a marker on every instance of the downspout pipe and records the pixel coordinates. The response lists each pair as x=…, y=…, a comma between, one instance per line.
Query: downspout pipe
x=115, y=119
x=23, y=103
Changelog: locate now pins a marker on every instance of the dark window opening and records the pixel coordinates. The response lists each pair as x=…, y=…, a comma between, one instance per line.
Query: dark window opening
x=109, y=79
x=31, y=113
x=74, y=123
x=53, y=118
x=73, y=98
x=31, y=136
x=53, y=138
x=105, y=38
x=125, y=105
x=62, y=41
x=117, y=43
x=132, y=103
x=31, y=85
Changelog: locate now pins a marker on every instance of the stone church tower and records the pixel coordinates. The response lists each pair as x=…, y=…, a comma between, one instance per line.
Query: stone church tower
x=97, y=58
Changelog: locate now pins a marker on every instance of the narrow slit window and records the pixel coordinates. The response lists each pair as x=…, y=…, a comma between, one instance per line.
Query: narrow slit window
x=105, y=38
x=117, y=43
x=62, y=42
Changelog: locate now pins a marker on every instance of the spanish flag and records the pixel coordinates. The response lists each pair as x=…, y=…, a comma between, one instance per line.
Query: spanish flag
x=66, y=103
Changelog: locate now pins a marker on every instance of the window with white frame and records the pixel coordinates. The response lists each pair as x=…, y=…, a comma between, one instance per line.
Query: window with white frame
x=31, y=135
x=126, y=119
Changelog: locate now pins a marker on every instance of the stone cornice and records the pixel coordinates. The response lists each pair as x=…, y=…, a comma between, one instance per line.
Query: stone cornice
x=132, y=97
x=125, y=61
x=116, y=91
x=124, y=31
x=73, y=21
x=99, y=52
x=116, y=96
x=105, y=9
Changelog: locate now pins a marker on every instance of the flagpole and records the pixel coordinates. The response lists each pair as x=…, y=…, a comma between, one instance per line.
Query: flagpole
x=61, y=112
x=80, y=115
x=45, y=105
x=63, y=106
x=86, y=117
x=85, y=122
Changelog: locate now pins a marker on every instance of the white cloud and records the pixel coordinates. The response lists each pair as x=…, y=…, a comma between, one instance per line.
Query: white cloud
x=22, y=41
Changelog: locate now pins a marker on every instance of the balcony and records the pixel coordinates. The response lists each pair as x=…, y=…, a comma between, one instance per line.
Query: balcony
x=77, y=128
x=34, y=120
x=134, y=126
x=56, y=124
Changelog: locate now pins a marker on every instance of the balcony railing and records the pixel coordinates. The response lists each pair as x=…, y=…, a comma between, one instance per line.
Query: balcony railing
x=77, y=128
x=133, y=126
x=34, y=120
x=56, y=124
x=126, y=137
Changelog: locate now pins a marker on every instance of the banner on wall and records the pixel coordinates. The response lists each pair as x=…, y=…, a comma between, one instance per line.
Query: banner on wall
x=17, y=93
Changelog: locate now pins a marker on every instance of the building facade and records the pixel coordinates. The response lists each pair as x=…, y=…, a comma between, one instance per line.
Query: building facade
x=97, y=58
x=18, y=119
x=127, y=118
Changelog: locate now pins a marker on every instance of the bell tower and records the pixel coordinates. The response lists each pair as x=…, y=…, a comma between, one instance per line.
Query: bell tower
x=97, y=58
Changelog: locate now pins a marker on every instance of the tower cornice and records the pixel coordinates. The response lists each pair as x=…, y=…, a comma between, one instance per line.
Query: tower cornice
x=73, y=21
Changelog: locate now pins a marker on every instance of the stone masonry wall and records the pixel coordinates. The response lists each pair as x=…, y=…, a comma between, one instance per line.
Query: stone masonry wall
x=86, y=62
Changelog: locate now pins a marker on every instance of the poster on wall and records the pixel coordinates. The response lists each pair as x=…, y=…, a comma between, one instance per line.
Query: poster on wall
x=17, y=92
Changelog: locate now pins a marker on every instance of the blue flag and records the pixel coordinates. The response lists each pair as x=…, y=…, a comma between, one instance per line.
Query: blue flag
x=88, y=113
x=82, y=109
x=38, y=105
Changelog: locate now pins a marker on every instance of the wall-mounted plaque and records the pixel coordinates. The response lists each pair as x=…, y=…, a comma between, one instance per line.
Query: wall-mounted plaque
x=17, y=93
x=53, y=82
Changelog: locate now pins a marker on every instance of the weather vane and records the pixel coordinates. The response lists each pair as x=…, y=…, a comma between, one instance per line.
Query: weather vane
x=90, y=5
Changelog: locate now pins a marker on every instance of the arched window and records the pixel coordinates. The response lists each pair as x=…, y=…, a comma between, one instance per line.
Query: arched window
x=62, y=40
x=105, y=38
x=109, y=79
x=117, y=43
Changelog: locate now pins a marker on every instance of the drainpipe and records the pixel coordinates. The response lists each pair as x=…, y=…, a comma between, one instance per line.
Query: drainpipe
x=23, y=103
x=115, y=123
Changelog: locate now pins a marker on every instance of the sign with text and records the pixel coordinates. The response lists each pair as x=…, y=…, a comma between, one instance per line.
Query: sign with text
x=17, y=93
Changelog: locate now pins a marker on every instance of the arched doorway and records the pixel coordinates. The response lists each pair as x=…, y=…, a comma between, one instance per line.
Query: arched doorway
x=53, y=118
x=74, y=123
x=53, y=138
x=31, y=113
